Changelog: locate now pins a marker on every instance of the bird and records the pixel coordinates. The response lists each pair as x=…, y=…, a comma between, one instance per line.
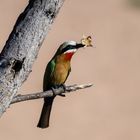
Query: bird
x=56, y=73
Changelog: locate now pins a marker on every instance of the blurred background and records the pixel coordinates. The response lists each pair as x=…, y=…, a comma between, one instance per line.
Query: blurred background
x=108, y=111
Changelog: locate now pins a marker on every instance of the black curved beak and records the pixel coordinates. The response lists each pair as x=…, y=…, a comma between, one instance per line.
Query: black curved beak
x=79, y=45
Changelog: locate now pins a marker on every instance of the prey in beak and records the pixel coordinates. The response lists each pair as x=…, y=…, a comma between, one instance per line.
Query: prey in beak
x=85, y=42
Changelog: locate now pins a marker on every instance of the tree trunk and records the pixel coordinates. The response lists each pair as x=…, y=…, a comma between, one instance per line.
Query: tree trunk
x=21, y=49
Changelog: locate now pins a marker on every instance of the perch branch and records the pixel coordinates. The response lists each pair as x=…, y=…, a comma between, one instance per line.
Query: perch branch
x=49, y=93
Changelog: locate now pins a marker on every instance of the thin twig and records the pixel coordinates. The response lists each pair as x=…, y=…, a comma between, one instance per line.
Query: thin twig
x=49, y=93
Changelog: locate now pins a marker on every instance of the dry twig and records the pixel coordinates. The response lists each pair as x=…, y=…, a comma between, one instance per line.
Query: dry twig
x=49, y=93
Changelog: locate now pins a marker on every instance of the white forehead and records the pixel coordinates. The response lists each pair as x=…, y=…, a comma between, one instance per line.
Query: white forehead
x=71, y=42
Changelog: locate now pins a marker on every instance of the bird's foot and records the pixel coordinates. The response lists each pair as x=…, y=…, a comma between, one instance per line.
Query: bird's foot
x=53, y=90
x=55, y=87
x=62, y=94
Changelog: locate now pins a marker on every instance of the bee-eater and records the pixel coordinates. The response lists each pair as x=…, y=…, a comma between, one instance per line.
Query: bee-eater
x=56, y=74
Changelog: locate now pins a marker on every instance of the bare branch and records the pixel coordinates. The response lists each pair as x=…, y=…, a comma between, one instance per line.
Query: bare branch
x=49, y=93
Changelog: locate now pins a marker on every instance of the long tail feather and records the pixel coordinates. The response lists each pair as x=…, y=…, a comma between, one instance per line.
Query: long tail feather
x=45, y=114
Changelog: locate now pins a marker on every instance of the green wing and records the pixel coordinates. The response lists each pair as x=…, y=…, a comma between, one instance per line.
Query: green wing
x=48, y=73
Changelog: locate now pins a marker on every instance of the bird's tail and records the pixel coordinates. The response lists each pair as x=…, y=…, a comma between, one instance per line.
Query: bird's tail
x=45, y=114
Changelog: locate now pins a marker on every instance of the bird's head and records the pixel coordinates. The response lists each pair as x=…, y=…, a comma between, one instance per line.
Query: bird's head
x=67, y=49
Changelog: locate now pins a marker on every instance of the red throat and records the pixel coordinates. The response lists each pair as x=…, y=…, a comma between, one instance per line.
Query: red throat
x=69, y=55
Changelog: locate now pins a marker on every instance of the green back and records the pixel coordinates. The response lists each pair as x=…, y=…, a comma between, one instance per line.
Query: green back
x=48, y=74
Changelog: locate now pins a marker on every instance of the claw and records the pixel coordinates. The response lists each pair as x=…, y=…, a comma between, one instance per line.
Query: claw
x=64, y=87
x=62, y=95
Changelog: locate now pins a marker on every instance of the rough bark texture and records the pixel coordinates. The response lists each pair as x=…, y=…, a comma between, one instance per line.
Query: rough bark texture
x=49, y=93
x=21, y=49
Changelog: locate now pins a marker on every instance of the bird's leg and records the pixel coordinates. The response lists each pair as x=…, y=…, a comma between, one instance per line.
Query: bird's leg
x=53, y=90
x=64, y=87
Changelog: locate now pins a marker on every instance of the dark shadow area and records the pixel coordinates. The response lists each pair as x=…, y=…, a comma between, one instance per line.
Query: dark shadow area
x=134, y=3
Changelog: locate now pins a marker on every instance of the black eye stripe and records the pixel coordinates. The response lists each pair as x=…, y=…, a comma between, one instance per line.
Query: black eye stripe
x=67, y=48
